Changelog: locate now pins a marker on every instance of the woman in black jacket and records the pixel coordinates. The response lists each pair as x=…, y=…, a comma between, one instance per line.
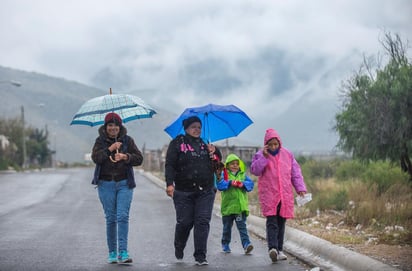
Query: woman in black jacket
x=115, y=154
x=189, y=172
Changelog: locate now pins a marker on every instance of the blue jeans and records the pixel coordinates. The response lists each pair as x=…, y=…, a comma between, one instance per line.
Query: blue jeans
x=116, y=198
x=193, y=210
x=240, y=220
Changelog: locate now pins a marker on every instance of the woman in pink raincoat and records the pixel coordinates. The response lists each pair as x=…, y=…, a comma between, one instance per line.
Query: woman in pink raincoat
x=278, y=173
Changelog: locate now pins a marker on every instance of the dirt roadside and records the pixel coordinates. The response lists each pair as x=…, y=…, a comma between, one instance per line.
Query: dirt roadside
x=329, y=226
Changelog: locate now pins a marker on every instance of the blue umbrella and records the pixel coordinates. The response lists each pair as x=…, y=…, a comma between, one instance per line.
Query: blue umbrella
x=218, y=121
x=128, y=107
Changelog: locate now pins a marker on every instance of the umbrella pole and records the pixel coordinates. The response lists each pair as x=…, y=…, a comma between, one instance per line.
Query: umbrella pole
x=115, y=140
x=207, y=127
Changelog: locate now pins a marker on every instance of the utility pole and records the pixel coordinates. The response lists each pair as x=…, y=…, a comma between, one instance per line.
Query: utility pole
x=23, y=136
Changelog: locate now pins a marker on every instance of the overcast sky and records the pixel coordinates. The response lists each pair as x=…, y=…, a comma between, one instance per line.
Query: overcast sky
x=280, y=61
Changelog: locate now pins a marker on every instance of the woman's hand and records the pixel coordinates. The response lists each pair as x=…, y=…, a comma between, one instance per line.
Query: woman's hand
x=115, y=146
x=211, y=148
x=265, y=151
x=120, y=156
x=170, y=189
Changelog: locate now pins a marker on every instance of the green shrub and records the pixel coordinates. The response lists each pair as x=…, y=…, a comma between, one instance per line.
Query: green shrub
x=349, y=170
x=340, y=200
x=332, y=200
x=313, y=169
x=3, y=164
x=383, y=175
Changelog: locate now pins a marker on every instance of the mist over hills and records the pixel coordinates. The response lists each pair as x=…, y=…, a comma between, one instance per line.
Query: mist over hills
x=52, y=102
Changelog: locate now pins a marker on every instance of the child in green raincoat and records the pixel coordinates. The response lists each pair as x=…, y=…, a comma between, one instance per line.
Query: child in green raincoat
x=234, y=185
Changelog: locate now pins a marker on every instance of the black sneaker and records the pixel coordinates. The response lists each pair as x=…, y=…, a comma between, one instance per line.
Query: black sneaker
x=179, y=254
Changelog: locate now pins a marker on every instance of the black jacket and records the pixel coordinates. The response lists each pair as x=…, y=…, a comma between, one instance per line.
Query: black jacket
x=105, y=168
x=188, y=164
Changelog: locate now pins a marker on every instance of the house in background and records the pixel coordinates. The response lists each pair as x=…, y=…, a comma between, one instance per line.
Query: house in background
x=4, y=142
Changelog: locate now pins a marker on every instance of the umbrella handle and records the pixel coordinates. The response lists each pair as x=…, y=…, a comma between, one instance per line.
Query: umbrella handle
x=111, y=159
x=117, y=150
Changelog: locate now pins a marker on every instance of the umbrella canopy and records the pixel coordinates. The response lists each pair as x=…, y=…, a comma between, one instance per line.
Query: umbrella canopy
x=129, y=108
x=218, y=121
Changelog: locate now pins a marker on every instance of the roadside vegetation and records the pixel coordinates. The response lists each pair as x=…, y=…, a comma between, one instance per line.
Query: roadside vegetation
x=23, y=146
x=374, y=197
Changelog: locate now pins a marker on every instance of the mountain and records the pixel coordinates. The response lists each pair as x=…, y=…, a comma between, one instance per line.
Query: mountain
x=52, y=102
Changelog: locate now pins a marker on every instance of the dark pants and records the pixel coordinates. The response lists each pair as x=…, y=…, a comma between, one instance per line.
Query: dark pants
x=241, y=226
x=193, y=210
x=275, y=231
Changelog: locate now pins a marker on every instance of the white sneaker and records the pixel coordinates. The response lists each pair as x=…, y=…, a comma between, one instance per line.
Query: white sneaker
x=282, y=256
x=204, y=262
x=273, y=254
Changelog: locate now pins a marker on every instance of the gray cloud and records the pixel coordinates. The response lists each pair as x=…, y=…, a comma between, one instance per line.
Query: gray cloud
x=280, y=61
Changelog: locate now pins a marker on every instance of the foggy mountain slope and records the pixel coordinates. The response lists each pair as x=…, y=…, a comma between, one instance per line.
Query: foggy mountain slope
x=52, y=102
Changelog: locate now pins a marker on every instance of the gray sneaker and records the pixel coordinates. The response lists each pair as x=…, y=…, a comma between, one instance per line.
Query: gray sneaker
x=273, y=254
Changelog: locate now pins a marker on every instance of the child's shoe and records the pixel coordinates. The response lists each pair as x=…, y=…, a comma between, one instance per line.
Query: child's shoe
x=124, y=257
x=248, y=248
x=282, y=256
x=226, y=248
x=112, y=257
x=273, y=254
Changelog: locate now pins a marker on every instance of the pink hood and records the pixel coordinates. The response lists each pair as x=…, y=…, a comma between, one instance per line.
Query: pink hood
x=271, y=133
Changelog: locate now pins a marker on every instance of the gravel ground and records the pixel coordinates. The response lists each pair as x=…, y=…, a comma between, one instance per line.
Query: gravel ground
x=329, y=226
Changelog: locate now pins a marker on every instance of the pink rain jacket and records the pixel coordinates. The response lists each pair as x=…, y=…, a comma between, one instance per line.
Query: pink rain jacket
x=277, y=175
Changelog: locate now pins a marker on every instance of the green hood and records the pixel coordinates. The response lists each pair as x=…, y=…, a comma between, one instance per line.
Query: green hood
x=232, y=157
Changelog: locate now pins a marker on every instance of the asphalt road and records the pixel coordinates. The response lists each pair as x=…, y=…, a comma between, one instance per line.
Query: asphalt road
x=53, y=220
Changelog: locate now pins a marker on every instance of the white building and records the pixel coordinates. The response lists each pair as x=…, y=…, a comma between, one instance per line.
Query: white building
x=4, y=142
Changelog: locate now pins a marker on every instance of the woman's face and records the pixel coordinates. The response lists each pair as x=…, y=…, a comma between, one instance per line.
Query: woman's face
x=112, y=130
x=194, y=129
x=273, y=144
